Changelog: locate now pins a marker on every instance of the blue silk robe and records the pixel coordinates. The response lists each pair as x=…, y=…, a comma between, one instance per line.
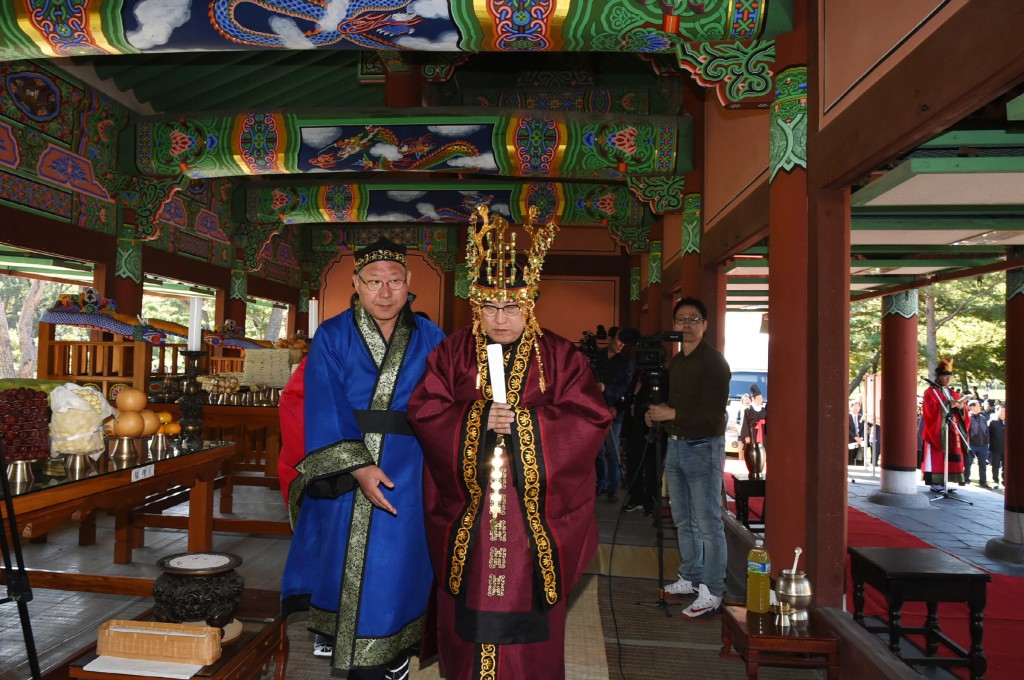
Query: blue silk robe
x=363, y=574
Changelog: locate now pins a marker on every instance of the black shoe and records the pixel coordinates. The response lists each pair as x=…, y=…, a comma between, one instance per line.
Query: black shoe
x=984, y=485
x=964, y=483
x=632, y=507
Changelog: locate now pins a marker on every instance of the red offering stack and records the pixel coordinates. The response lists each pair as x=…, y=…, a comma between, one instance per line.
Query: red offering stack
x=24, y=424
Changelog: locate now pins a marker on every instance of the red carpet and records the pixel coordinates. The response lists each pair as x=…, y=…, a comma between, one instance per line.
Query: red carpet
x=1003, y=639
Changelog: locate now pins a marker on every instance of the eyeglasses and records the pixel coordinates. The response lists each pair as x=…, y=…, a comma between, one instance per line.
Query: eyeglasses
x=684, y=320
x=491, y=310
x=373, y=285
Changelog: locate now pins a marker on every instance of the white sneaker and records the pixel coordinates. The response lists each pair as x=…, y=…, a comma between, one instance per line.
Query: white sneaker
x=323, y=646
x=680, y=587
x=706, y=604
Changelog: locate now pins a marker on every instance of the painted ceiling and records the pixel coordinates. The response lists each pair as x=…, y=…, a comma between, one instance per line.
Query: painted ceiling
x=586, y=119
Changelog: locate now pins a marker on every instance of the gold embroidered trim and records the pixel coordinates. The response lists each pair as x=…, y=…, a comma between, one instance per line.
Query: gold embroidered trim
x=531, y=503
x=469, y=477
x=488, y=662
x=377, y=255
x=387, y=356
x=498, y=531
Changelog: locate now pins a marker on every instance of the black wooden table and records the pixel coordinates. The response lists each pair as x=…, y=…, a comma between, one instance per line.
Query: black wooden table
x=744, y=490
x=923, y=575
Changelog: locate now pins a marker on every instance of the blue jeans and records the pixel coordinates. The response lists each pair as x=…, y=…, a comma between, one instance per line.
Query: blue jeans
x=693, y=471
x=609, y=470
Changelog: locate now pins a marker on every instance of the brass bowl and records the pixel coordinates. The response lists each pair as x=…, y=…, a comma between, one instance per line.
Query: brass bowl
x=794, y=588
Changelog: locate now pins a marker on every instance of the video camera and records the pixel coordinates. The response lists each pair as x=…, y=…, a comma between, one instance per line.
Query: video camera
x=650, y=360
x=588, y=344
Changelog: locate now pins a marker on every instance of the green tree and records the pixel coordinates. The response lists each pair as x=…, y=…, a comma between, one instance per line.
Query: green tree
x=964, y=319
x=22, y=303
x=865, y=340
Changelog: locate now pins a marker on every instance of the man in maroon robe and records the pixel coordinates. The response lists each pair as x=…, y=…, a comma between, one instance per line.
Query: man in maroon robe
x=509, y=482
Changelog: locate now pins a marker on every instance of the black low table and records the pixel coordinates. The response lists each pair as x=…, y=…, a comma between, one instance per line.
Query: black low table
x=744, y=490
x=923, y=575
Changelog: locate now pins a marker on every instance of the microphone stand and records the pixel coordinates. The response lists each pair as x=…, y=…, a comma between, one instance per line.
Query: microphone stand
x=949, y=419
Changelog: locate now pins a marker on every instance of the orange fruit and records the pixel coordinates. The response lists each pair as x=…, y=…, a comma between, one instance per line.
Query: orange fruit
x=130, y=424
x=164, y=416
x=151, y=420
x=131, y=399
x=172, y=429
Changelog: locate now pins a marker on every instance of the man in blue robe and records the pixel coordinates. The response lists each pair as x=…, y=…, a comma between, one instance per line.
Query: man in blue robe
x=358, y=560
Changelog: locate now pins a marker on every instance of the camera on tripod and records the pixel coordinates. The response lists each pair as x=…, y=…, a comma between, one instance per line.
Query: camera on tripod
x=588, y=344
x=649, y=357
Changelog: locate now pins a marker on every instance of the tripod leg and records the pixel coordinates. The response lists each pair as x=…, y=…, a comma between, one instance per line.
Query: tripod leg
x=17, y=578
x=659, y=529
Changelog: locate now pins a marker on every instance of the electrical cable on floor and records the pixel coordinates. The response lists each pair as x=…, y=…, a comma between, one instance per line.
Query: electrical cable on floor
x=611, y=560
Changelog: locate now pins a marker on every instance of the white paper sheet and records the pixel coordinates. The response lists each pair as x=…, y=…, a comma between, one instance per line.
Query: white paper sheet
x=496, y=368
x=142, y=667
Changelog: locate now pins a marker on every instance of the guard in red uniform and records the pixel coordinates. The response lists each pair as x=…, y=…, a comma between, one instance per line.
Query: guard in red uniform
x=940, y=399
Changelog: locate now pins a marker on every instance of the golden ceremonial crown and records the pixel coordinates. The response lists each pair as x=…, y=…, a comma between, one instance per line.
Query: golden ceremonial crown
x=496, y=270
x=497, y=273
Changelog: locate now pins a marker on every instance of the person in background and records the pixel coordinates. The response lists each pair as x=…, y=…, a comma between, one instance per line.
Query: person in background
x=938, y=399
x=509, y=479
x=997, y=445
x=977, y=438
x=358, y=558
x=856, y=434
x=694, y=419
x=753, y=430
x=744, y=404
x=876, y=439
x=614, y=374
x=642, y=482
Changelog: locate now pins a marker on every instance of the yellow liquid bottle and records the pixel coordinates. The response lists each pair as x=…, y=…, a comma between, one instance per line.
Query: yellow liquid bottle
x=759, y=584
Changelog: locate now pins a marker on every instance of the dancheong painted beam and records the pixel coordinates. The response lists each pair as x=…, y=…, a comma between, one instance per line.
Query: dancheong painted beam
x=32, y=28
x=550, y=145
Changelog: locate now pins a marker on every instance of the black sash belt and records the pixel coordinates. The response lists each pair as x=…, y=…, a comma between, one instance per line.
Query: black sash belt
x=384, y=422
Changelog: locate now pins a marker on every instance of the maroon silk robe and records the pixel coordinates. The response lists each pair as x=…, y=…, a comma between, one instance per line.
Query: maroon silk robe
x=502, y=582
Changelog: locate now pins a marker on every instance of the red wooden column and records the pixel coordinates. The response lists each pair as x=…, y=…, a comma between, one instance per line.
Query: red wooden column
x=234, y=307
x=786, y=501
x=899, y=399
x=692, y=279
x=689, y=264
x=403, y=90
x=123, y=282
x=657, y=300
x=1011, y=546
